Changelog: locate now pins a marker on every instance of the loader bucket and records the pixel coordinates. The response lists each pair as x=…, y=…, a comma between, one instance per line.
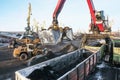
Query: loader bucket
x=50, y=36
x=69, y=34
x=57, y=35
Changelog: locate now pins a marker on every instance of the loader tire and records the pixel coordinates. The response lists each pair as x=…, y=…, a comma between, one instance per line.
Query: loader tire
x=23, y=56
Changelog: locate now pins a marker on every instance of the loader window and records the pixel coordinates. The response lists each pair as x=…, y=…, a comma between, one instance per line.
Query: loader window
x=31, y=47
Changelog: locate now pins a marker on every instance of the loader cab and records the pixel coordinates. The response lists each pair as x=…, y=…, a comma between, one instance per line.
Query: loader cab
x=30, y=47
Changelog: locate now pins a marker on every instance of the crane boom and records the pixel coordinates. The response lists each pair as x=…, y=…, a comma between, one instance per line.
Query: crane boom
x=92, y=10
x=57, y=10
x=97, y=19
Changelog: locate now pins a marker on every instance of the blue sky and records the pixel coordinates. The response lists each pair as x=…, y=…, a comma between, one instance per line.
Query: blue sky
x=75, y=13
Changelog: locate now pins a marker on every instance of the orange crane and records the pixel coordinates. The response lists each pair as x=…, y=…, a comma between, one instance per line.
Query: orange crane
x=98, y=22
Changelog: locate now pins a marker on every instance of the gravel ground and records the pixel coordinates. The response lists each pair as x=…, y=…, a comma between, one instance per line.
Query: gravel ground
x=8, y=64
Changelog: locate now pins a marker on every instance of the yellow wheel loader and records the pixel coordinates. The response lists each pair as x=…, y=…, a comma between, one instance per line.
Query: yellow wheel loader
x=25, y=52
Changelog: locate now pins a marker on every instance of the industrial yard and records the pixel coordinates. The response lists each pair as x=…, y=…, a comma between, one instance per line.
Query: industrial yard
x=55, y=40
x=11, y=64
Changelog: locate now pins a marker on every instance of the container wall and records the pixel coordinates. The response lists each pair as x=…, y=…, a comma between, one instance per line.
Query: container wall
x=56, y=63
x=81, y=71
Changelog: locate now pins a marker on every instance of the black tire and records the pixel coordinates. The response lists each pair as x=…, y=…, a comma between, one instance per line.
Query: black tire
x=23, y=56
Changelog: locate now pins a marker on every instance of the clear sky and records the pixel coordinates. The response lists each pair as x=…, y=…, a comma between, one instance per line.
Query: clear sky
x=75, y=13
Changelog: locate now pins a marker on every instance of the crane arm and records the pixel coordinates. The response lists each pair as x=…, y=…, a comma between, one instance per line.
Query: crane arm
x=92, y=10
x=94, y=17
x=29, y=13
x=57, y=10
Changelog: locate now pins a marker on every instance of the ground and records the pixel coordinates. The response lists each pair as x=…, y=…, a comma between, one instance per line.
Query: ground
x=9, y=64
x=104, y=71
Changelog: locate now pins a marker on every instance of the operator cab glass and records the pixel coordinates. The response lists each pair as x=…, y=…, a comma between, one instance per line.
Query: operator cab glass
x=99, y=15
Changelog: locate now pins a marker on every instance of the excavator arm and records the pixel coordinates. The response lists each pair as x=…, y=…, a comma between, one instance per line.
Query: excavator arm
x=56, y=34
x=96, y=18
x=57, y=10
x=92, y=10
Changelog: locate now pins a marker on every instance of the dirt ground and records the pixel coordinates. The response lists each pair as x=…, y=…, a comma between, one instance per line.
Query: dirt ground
x=8, y=64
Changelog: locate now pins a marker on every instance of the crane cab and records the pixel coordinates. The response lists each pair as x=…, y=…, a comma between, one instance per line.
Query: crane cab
x=99, y=15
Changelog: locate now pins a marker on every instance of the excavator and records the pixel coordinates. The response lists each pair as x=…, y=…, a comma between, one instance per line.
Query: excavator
x=55, y=33
x=99, y=27
x=98, y=23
